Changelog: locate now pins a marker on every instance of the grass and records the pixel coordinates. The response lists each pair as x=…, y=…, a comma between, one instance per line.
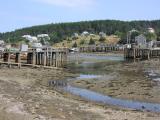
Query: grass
x=86, y=39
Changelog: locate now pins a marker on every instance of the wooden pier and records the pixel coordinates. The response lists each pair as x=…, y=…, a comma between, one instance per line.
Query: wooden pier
x=137, y=53
x=105, y=48
x=47, y=58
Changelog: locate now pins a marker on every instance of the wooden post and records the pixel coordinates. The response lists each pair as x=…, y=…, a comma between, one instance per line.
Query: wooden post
x=134, y=53
x=51, y=58
x=44, y=58
x=148, y=54
x=34, y=58
x=9, y=56
x=54, y=59
x=29, y=58
x=18, y=58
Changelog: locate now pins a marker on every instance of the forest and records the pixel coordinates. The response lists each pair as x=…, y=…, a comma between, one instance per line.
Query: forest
x=60, y=31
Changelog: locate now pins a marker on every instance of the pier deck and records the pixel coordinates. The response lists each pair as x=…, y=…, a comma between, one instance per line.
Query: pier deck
x=137, y=53
x=47, y=58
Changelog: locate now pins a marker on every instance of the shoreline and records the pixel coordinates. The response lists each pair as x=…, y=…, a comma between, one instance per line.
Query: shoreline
x=130, y=79
x=25, y=95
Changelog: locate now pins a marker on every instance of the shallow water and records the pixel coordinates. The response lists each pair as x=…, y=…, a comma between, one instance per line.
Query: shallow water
x=153, y=75
x=89, y=76
x=92, y=67
x=92, y=64
x=96, y=97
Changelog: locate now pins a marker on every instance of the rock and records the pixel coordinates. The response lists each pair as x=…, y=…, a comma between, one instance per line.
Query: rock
x=70, y=113
x=33, y=110
x=62, y=116
x=60, y=109
x=143, y=107
x=37, y=106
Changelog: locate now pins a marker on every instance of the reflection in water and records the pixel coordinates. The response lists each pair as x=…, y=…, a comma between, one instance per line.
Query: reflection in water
x=153, y=75
x=93, y=67
x=88, y=76
x=96, y=97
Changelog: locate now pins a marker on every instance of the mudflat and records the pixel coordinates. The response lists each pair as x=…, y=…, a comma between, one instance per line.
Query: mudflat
x=126, y=80
x=25, y=95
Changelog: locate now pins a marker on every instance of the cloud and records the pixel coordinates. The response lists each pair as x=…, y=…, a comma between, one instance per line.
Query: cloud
x=69, y=3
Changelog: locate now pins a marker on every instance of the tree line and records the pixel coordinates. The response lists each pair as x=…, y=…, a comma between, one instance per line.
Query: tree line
x=59, y=32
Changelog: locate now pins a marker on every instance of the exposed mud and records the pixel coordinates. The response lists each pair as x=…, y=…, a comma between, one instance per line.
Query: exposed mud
x=25, y=95
x=128, y=81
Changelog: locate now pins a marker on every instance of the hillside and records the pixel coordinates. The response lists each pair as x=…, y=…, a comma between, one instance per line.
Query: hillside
x=86, y=40
x=60, y=32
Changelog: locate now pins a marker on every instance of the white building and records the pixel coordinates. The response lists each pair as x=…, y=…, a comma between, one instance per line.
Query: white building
x=85, y=33
x=42, y=35
x=150, y=30
x=2, y=45
x=30, y=38
x=102, y=34
x=37, y=46
x=43, y=38
x=75, y=35
x=24, y=48
x=92, y=35
x=1, y=42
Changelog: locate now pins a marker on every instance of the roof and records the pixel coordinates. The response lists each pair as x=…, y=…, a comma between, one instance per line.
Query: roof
x=43, y=35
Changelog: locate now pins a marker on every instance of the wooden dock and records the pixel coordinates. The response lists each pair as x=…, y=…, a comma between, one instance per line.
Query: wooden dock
x=105, y=48
x=47, y=58
x=137, y=53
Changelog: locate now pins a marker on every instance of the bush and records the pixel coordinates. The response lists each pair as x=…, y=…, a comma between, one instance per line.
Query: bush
x=82, y=42
x=91, y=42
x=102, y=39
x=75, y=45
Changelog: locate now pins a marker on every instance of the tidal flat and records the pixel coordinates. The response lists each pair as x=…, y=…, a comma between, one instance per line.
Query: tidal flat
x=25, y=94
x=122, y=79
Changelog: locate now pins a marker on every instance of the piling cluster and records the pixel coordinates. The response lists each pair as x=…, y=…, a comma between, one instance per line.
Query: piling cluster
x=46, y=57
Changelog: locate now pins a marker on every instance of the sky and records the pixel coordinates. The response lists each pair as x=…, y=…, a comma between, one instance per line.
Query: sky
x=16, y=14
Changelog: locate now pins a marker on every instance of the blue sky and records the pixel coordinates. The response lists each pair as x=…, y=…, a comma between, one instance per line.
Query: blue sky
x=16, y=14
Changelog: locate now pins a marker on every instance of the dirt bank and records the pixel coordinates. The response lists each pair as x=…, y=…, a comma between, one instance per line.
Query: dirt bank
x=24, y=95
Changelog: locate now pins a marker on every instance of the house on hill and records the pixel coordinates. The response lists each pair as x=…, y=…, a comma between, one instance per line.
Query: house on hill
x=102, y=34
x=43, y=38
x=1, y=42
x=75, y=35
x=85, y=33
x=150, y=30
x=42, y=35
x=30, y=38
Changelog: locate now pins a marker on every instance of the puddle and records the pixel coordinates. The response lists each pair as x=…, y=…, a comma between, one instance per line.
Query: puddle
x=153, y=75
x=97, y=97
x=83, y=76
x=101, y=57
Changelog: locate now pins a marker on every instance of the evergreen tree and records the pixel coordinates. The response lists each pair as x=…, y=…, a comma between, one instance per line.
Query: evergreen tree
x=58, y=32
